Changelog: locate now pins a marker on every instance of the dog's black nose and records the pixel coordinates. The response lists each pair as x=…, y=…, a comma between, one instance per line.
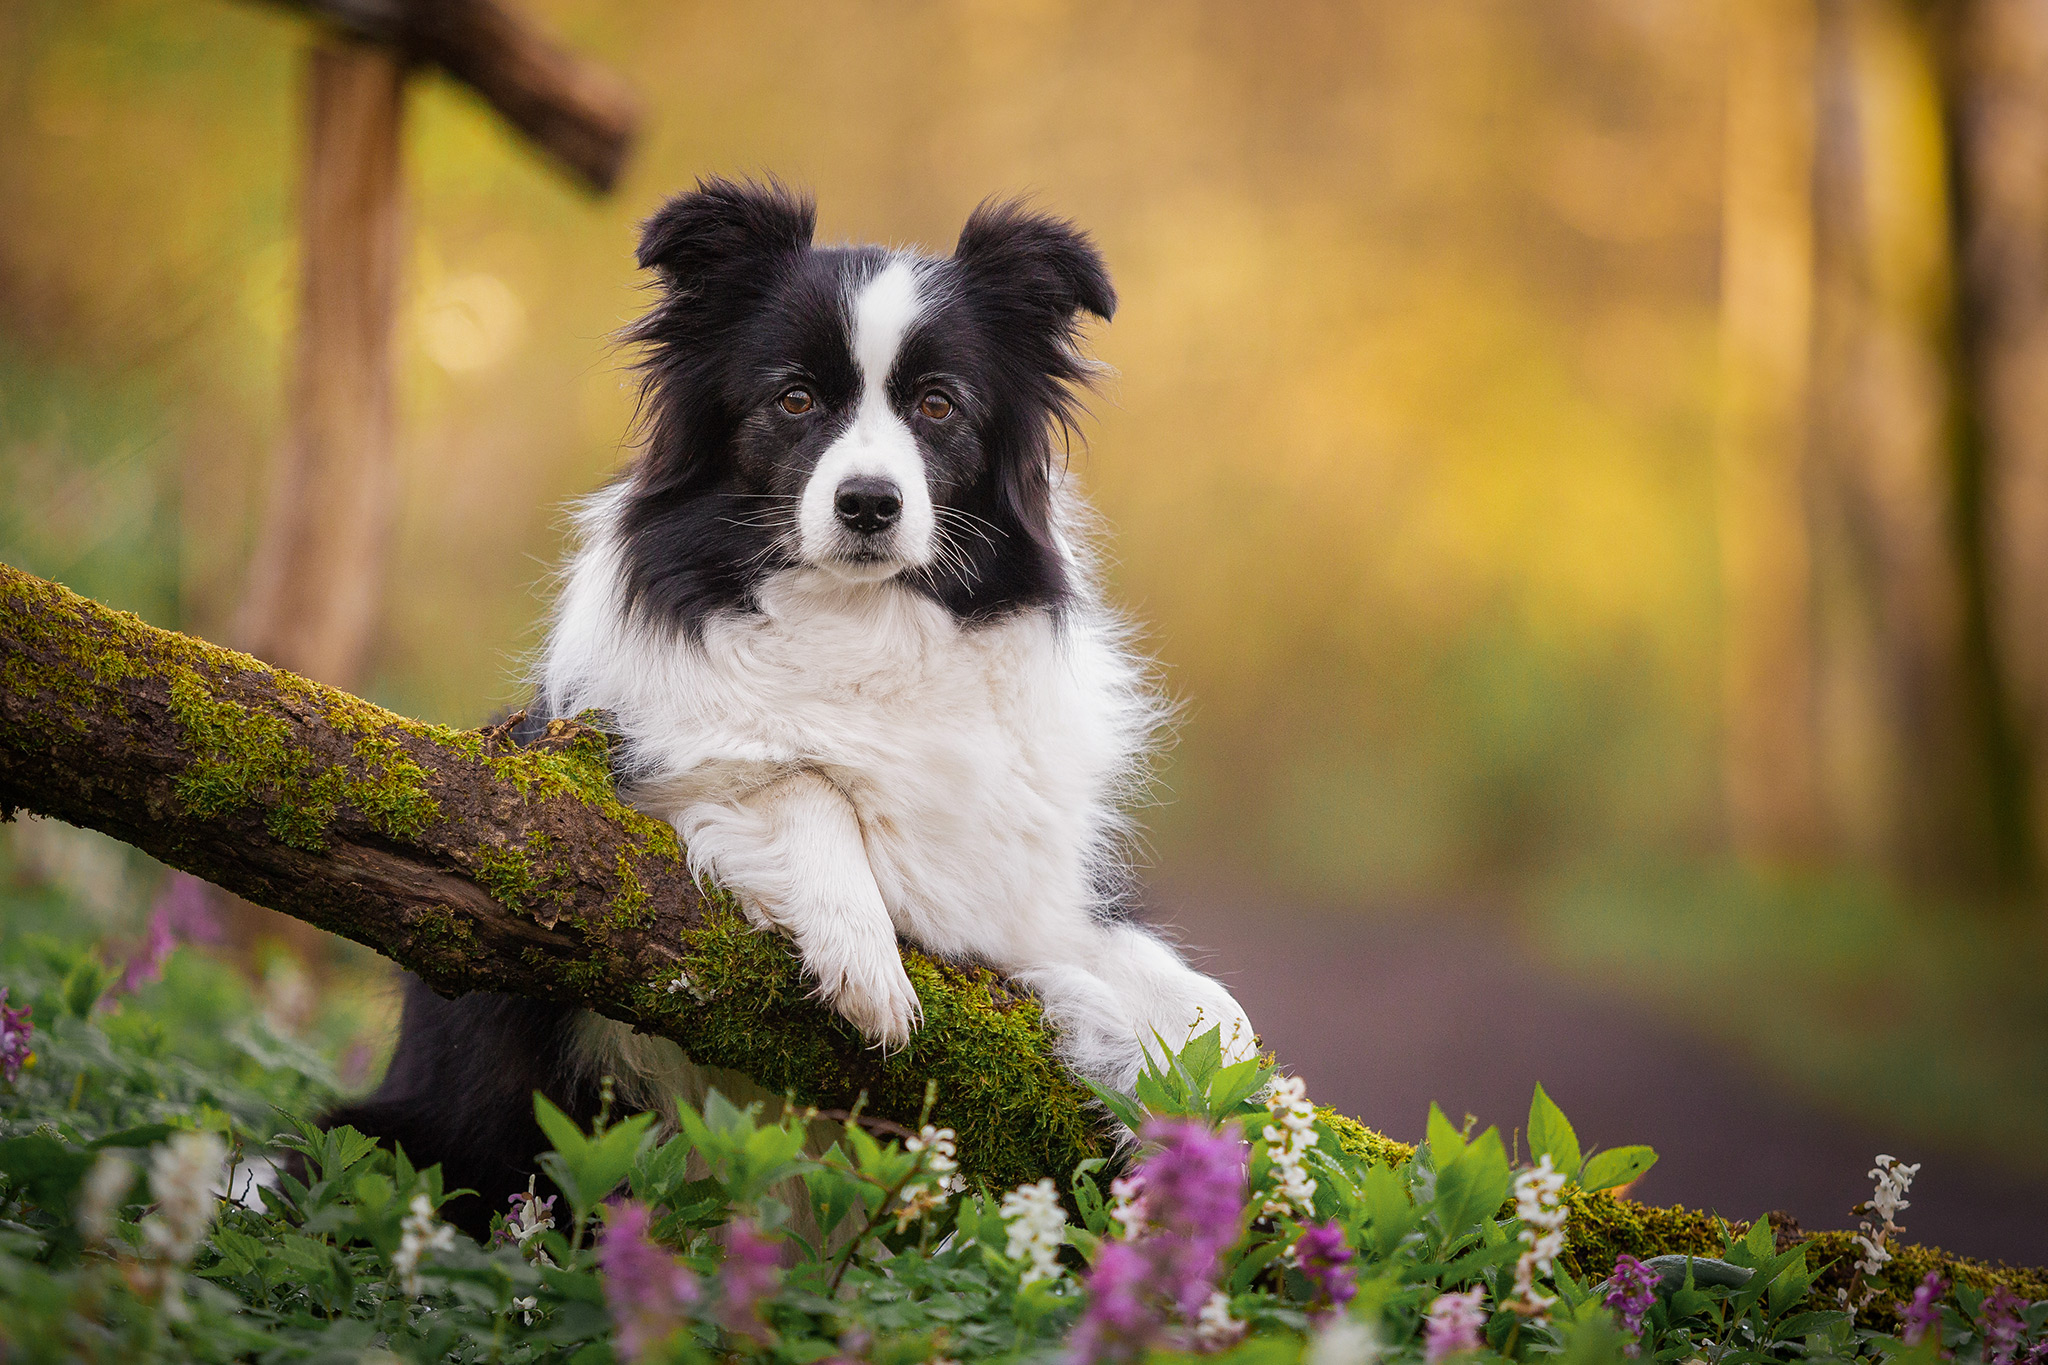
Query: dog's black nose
x=867, y=504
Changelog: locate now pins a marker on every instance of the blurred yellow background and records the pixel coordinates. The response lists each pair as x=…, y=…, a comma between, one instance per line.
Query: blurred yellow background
x=1404, y=456
x=1411, y=456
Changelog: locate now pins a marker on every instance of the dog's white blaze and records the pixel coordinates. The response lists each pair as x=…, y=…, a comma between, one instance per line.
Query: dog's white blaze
x=878, y=443
x=883, y=312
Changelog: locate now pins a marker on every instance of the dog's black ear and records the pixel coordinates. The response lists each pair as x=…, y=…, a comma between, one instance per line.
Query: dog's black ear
x=1037, y=259
x=724, y=222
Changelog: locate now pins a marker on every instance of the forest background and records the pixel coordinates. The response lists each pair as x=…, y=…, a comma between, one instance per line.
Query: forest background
x=1577, y=461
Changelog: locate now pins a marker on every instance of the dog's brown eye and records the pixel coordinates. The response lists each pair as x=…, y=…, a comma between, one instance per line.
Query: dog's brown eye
x=796, y=402
x=936, y=406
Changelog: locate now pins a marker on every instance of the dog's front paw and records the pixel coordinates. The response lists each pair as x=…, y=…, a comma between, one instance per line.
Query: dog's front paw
x=867, y=985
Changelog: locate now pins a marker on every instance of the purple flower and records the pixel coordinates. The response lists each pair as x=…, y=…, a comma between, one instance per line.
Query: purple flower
x=1453, y=1324
x=1923, y=1314
x=187, y=903
x=1194, y=1183
x=1120, y=1323
x=1322, y=1252
x=2002, y=1324
x=183, y=913
x=649, y=1291
x=146, y=964
x=1194, y=1197
x=1631, y=1292
x=15, y=1031
x=746, y=1278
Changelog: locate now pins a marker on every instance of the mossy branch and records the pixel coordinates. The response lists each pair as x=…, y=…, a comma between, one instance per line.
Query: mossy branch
x=483, y=866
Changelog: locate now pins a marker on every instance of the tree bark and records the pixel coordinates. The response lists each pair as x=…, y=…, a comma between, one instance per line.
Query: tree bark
x=482, y=866
x=1771, y=766
x=1907, y=741
x=1997, y=96
x=318, y=573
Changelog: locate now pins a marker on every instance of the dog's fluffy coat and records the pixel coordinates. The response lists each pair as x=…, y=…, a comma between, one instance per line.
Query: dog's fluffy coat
x=842, y=611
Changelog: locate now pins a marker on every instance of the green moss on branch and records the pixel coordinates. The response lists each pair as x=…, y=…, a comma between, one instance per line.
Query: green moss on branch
x=485, y=867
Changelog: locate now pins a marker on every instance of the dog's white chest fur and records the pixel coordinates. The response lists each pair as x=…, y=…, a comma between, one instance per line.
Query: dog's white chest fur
x=854, y=763
x=981, y=762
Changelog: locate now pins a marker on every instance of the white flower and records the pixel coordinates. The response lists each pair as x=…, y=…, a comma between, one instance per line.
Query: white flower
x=99, y=1202
x=524, y=1307
x=183, y=1175
x=1215, y=1328
x=1894, y=1178
x=1874, y=1253
x=921, y=1196
x=1344, y=1340
x=1538, y=1192
x=1287, y=1146
x=532, y=1215
x=1127, y=1204
x=1037, y=1228
x=420, y=1233
x=941, y=1144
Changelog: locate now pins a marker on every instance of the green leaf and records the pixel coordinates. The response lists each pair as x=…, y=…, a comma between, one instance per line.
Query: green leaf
x=1235, y=1084
x=1551, y=1134
x=1805, y=1324
x=1254, y=1261
x=1202, y=1058
x=240, y=1254
x=1125, y=1110
x=1446, y=1143
x=562, y=1133
x=1390, y=1211
x=1789, y=1285
x=1471, y=1187
x=143, y=1135
x=605, y=1160
x=1472, y=1262
x=1617, y=1166
x=87, y=982
x=47, y=1170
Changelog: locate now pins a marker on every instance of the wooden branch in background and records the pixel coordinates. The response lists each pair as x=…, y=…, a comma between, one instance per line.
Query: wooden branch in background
x=576, y=111
x=316, y=580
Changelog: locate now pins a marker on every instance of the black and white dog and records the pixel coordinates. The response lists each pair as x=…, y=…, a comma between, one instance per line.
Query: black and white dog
x=843, y=610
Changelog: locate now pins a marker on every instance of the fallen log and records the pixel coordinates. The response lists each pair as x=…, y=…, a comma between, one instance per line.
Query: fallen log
x=481, y=865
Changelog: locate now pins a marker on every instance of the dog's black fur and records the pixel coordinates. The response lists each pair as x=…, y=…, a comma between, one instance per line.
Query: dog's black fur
x=460, y=1093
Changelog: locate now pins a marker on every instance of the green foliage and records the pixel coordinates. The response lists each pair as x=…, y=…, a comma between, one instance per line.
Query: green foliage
x=885, y=1249
x=878, y=1255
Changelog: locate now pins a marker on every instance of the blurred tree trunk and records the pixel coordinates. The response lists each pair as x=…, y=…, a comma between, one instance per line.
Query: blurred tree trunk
x=318, y=572
x=1770, y=745
x=317, y=577
x=1996, y=67
x=1905, y=737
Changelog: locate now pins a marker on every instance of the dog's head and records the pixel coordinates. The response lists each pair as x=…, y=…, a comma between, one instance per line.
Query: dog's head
x=872, y=414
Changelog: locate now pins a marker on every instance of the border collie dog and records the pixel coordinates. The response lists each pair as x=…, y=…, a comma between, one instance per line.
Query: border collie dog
x=843, y=610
